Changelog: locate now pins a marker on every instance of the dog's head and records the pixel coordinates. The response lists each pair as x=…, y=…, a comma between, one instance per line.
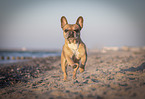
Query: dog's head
x=71, y=32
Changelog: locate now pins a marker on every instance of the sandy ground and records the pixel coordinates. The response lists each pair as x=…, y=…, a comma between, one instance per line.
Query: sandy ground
x=111, y=75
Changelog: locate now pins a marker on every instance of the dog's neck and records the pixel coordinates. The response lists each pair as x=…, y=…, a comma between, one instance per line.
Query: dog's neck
x=73, y=46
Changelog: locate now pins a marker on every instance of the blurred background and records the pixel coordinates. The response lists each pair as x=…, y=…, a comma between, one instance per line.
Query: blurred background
x=35, y=24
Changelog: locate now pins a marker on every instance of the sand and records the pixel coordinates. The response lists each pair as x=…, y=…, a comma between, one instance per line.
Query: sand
x=110, y=75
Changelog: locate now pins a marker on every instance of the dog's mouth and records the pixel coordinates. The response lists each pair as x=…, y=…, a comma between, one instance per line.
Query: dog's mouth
x=71, y=35
x=72, y=38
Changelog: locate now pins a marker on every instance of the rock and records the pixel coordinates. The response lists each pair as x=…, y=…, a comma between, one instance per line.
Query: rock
x=85, y=81
x=67, y=91
x=110, y=78
x=93, y=76
x=2, y=77
x=76, y=93
x=120, y=74
x=97, y=69
x=131, y=78
x=123, y=84
x=28, y=75
x=95, y=80
x=18, y=68
x=80, y=96
x=133, y=95
x=116, y=69
x=34, y=84
x=93, y=89
x=101, y=61
x=90, y=96
x=92, y=81
x=115, y=86
x=76, y=81
x=87, y=77
x=12, y=70
x=40, y=81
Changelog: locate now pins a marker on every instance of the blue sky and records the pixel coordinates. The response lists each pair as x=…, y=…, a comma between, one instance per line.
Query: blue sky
x=36, y=24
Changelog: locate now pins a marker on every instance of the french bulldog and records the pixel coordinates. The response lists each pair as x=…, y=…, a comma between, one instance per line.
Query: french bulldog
x=74, y=51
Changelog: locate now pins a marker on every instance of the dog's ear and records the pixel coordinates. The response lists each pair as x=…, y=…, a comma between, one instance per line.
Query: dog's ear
x=80, y=22
x=63, y=21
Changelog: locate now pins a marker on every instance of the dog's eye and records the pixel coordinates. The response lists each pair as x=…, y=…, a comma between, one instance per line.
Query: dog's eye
x=65, y=30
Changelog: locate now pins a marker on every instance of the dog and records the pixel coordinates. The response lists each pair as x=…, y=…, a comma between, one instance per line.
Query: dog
x=74, y=51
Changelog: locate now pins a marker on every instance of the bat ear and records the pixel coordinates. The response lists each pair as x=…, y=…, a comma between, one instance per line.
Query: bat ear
x=80, y=22
x=63, y=21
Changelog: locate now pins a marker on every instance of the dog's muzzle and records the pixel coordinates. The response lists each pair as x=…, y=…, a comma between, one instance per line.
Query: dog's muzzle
x=71, y=34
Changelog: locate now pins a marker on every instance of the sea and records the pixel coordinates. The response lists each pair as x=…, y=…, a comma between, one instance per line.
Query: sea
x=18, y=56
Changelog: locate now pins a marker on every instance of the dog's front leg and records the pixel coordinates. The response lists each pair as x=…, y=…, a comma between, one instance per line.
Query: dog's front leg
x=75, y=70
x=74, y=65
x=64, y=65
x=71, y=62
x=83, y=63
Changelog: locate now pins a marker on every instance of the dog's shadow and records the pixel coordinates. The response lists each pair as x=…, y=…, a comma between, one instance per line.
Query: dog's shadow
x=133, y=69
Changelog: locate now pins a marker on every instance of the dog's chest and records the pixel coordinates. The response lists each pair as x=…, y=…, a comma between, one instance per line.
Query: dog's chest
x=74, y=48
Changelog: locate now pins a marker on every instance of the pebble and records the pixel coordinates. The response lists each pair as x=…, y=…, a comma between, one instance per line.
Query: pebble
x=114, y=86
x=93, y=89
x=110, y=78
x=2, y=77
x=95, y=80
x=131, y=78
x=87, y=77
x=85, y=81
x=67, y=91
x=123, y=84
x=76, y=81
x=18, y=68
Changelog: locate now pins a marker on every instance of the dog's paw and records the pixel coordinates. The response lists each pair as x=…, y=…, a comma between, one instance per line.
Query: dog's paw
x=81, y=70
x=65, y=80
x=74, y=77
x=74, y=66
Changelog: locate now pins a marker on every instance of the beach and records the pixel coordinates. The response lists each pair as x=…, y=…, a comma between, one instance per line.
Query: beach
x=108, y=75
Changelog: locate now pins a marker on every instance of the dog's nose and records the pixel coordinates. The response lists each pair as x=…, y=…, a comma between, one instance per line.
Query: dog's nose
x=71, y=32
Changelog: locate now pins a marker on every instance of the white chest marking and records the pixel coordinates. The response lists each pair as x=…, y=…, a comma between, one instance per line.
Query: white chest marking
x=74, y=48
